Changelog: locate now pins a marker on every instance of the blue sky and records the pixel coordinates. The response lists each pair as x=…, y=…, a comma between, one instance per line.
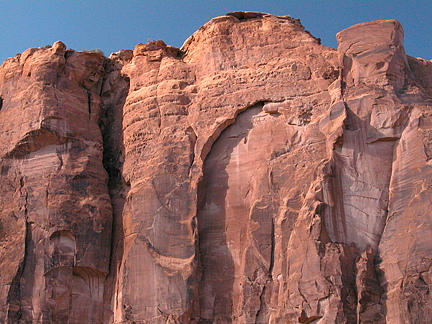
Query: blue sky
x=115, y=25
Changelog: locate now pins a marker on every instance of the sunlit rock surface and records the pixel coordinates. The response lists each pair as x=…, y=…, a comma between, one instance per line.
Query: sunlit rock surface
x=252, y=176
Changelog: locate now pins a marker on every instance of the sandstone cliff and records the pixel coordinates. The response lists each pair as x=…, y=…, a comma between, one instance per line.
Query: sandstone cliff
x=252, y=176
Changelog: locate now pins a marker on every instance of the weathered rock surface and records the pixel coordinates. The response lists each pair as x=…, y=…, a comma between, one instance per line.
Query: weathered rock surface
x=56, y=212
x=252, y=176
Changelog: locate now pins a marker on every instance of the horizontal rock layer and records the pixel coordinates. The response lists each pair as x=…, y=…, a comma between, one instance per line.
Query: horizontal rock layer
x=252, y=176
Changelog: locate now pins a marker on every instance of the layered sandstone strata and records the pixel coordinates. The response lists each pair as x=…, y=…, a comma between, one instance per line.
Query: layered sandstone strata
x=252, y=176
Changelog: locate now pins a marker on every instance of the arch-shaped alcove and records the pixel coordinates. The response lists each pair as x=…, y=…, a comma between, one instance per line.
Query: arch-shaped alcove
x=62, y=248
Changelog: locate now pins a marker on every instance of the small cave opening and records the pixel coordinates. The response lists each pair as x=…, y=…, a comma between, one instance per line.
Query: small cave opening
x=1, y=103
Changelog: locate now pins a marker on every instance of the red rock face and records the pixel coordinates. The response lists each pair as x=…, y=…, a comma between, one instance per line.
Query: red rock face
x=56, y=211
x=252, y=176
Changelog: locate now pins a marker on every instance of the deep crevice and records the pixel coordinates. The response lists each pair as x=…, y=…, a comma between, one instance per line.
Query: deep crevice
x=89, y=102
x=273, y=244
x=111, y=121
x=14, y=296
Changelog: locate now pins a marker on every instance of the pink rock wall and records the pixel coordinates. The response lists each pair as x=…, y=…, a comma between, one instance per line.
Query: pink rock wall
x=252, y=176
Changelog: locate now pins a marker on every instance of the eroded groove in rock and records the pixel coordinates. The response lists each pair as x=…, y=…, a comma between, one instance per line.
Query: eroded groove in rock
x=14, y=312
x=114, y=91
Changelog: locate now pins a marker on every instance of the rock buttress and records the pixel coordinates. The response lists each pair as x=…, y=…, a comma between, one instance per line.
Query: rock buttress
x=55, y=208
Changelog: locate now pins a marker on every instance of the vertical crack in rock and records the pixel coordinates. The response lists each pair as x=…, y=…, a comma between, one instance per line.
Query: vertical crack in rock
x=259, y=317
x=193, y=139
x=273, y=245
x=14, y=301
x=15, y=312
x=24, y=194
x=89, y=103
x=114, y=91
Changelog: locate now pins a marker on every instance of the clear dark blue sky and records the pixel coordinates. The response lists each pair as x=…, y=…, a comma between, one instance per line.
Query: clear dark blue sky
x=115, y=25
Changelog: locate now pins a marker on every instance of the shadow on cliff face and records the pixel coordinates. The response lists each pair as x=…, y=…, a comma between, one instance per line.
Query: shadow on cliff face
x=15, y=312
x=362, y=172
x=216, y=262
x=112, y=132
x=220, y=222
